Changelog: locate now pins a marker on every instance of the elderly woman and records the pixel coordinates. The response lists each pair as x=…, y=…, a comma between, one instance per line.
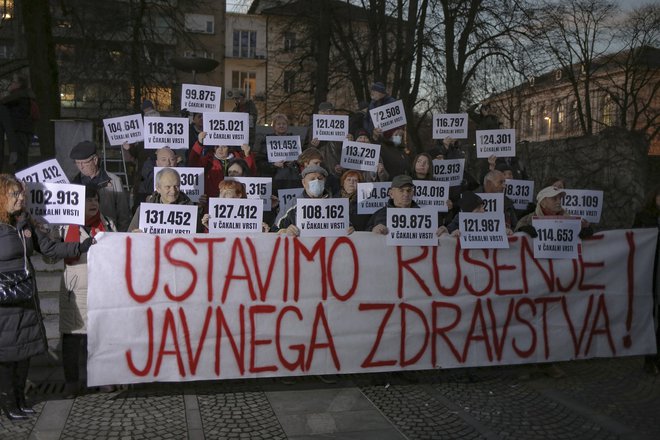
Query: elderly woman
x=348, y=188
x=280, y=124
x=548, y=203
x=168, y=191
x=73, y=303
x=230, y=189
x=216, y=162
x=22, y=334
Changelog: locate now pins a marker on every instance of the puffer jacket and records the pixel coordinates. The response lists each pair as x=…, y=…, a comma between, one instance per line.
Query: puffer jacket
x=22, y=334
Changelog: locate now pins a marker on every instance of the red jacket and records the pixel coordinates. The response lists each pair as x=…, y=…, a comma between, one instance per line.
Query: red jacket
x=214, y=168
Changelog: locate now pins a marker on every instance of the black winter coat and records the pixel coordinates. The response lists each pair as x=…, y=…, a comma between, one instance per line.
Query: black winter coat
x=22, y=334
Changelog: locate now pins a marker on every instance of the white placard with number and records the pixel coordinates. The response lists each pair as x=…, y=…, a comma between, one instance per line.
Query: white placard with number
x=283, y=148
x=192, y=181
x=200, y=99
x=453, y=125
x=226, y=128
x=124, y=129
x=521, y=192
x=287, y=198
x=162, y=132
x=586, y=203
x=389, y=116
x=412, y=227
x=493, y=202
x=235, y=215
x=432, y=194
x=499, y=143
x=56, y=203
x=257, y=188
x=449, y=170
x=372, y=196
x=556, y=237
x=322, y=217
x=359, y=156
x=48, y=171
x=161, y=218
x=482, y=230
x=329, y=127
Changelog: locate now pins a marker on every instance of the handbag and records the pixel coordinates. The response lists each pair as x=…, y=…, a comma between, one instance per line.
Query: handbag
x=16, y=286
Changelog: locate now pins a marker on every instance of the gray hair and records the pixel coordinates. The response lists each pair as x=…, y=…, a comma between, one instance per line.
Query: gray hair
x=164, y=171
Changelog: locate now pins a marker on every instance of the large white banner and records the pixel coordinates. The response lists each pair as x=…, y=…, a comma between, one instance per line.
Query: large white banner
x=210, y=306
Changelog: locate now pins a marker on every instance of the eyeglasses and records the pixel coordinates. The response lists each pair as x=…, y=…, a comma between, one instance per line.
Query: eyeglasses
x=81, y=163
x=16, y=194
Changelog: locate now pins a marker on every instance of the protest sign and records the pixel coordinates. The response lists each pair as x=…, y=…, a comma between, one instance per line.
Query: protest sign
x=235, y=215
x=177, y=308
x=322, y=217
x=198, y=98
x=161, y=218
x=162, y=132
x=452, y=125
x=372, y=196
x=500, y=143
x=359, y=156
x=587, y=204
x=432, y=194
x=329, y=127
x=57, y=203
x=124, y=129
x=521, y=192
x=48, y=171
x=556, y=237
x=283, y=148
x=389, y=116
x=226, y=128
x=449, y=170
x=482, y=230
x=412, y=227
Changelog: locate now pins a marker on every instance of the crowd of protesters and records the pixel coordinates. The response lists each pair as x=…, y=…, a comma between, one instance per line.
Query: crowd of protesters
x=317, y=172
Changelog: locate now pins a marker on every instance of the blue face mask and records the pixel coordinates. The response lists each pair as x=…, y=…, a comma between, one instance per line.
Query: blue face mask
x=315, y=187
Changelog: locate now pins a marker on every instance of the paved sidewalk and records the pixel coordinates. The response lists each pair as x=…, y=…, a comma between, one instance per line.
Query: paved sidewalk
x=598, y=399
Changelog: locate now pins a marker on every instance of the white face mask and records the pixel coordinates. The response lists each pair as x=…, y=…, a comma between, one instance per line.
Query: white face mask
x=396, y=140
x=315, y=187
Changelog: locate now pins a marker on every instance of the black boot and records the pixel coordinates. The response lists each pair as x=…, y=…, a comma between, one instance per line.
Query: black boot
x=10, y=409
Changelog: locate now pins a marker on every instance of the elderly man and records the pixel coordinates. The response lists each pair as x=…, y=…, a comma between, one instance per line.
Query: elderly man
x=494, y=183
x=168, y=191
x=313, y=181
x=114, y=200
x=164, y=157
x=401, y=194
x=379, y=97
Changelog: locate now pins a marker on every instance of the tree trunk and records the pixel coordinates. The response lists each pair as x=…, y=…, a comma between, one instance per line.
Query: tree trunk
x=44, y=74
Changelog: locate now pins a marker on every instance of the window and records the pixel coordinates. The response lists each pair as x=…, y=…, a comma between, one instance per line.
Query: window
x=609, y=111
x=67, y=92
x=560, y=112
x=246, y=81
x=244, y=44
x=289, y=81
x=531, y=120
x=200, y=23
x=7, y=9
x=289, y=41
x=558, y=74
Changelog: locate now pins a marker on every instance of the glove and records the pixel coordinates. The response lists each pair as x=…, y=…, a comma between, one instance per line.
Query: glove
x=86, y=244
x=529, y=230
